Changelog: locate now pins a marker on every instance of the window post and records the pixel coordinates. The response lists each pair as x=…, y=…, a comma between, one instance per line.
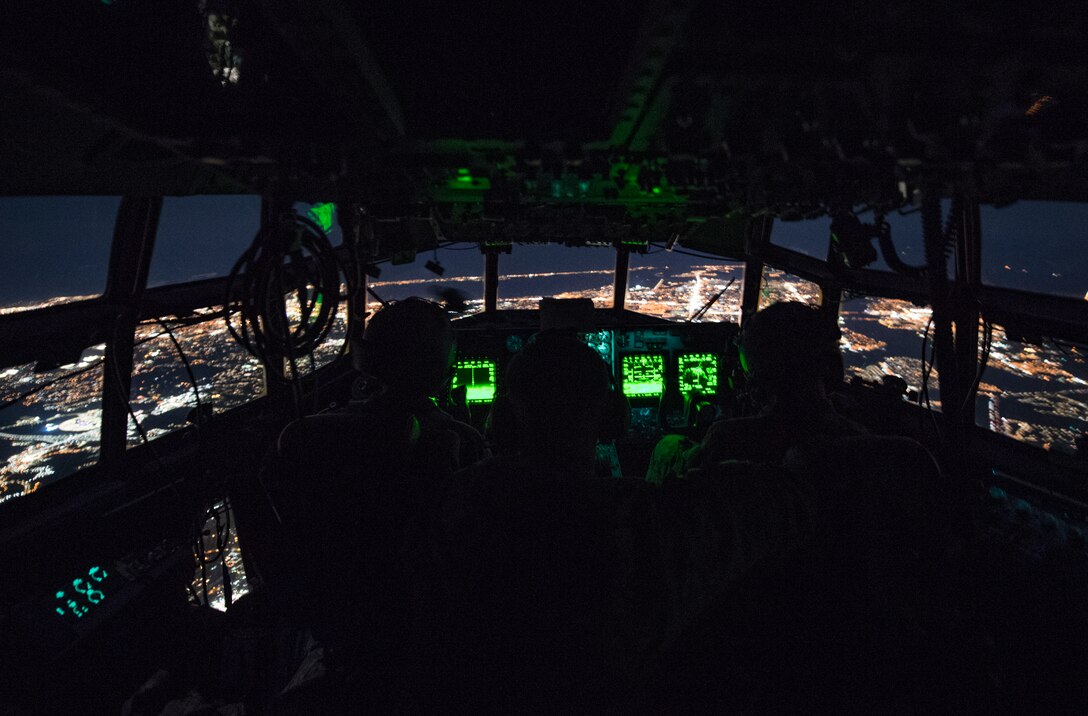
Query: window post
x=759, y=235
x=130, y=259
x=619, y=281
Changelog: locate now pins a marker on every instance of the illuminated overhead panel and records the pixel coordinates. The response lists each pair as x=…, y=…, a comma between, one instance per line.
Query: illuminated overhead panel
x=478, y=377
x=643, y=375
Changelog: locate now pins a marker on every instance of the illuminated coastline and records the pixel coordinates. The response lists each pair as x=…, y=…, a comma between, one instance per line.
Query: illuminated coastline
x=1038, y=394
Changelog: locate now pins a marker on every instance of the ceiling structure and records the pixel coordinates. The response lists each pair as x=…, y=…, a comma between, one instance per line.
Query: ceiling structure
x=703, y=106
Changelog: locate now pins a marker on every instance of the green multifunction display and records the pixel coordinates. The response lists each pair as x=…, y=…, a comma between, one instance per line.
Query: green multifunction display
x=478, y=377
x=643, y=375
x=698, y=372
x=83, y=594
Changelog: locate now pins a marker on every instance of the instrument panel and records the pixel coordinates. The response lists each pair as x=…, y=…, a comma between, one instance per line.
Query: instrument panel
x=660, y=369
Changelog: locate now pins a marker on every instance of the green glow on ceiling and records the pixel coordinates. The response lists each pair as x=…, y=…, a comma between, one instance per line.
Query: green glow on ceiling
x=698, y=371
x=643, y=375
x=478, y=377
x=322, y=215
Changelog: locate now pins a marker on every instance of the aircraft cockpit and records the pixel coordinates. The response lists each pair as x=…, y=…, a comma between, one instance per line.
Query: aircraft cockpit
x=211, y=500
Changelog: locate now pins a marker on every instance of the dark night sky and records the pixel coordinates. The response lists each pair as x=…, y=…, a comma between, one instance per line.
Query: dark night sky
x=56, y=246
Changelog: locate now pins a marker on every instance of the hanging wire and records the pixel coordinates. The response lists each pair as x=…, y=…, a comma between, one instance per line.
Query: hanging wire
x=927, y=370
x=188, y=370
x=221, y=555
x=684, y=252
x=291, y=256
x=984, y=358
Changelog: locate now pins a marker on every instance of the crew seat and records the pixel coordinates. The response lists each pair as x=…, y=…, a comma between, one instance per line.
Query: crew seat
x=344, y=486
x=879, y=603
x=858, y=620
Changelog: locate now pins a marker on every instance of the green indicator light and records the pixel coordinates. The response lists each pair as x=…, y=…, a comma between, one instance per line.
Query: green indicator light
x=656, y=190
x=643, y=375
x=86, y=594
x=478, y=377
x=465, y=180
x=698, y=372
x=463, y=170
x=322, y=215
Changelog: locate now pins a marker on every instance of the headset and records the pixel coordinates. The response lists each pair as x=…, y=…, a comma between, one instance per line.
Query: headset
x=373, y=357
x=501, y=425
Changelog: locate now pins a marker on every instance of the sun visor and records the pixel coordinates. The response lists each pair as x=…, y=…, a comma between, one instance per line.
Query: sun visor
x=726, y=237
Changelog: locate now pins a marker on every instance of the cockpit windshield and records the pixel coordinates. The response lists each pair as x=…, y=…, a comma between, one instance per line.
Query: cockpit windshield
x=452, y=274
x=677, y=285
x=534, y=271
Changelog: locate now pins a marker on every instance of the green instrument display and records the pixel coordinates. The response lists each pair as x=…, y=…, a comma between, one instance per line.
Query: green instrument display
x=698, y=372
x=478, y=377
x=643, y=375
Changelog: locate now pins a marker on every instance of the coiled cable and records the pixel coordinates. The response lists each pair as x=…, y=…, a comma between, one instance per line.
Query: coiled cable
x=283, y=293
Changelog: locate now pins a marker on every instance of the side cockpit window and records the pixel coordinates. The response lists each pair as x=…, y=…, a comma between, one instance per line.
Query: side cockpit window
x=201, y=237
x=54, y=249
x=778, y=285
x=1036, y=246
x=812, y=236
x=885, y=337
x=1034, y=392
x=163, y=394
x=50, y=422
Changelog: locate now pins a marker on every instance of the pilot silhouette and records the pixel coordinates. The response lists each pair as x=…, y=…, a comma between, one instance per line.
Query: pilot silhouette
x=407, y=354
x=790, y=357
